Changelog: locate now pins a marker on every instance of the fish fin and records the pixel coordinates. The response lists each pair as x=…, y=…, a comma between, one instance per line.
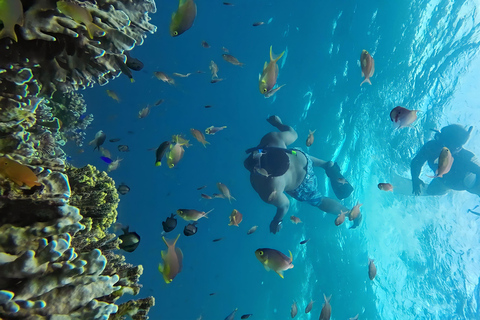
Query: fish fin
x=291, y=257
x=163, y=253
x=9, y=33
x=327, y=300
x=180, y=258
x=17, y=181
x=273, y=57
x=363, y=75
x=433, y=177
x=206, y=213
x=132, y=80
x=280, y=273
x=367, y=80
x=175, y=241
x=264, y=67
x=92, y=28
x=266, y=266
x=160, y=268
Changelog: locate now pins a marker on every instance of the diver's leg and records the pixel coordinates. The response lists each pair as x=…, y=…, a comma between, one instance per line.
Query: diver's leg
x=437, y=188
x=320, y=163
x=332, y=206
x=287, y=134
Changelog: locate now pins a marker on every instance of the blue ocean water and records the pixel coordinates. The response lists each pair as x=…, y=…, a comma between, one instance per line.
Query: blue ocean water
x=426, y=249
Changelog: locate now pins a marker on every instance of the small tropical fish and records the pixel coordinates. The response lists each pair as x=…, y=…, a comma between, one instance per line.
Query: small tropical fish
x=190, y=229
x=199, y=136
x=231, y=316
x=310, y=137
x=309, y=306
x=402, y=117
x=213, y=69
x=228, y=4
x=192, y=214
x=105, y=153
x=235, y=218
x=252, y=230
x=175, y=154
x=208, y=107
x=133, y=63
x=183, y=18
x=445, y=161
x=130, y=240
x=112, y=94
x=202, y=187
x=181, y=140
x=216, y=80
x=124, y=68
x=225, y=191
x=342, y=180
x=106, y=159
x=212, y=130
x=231, y=59
x=264, y=172
x=304, y=241
x=114, y=165
x=224, y=49
x=340, y=218
x=99, y=139
x=18, y=173
x=172, y=261
x=368, y=66
x=355, y=212
x=123, y=148
x=213, y=293
x=218, y=239
x=354, y=318
x=258, y=23
x=273, y=91
x=295, y=220
x=205, y=196
x=385, y=187
x=246, y=316
x=372, y=270
x=123, y=189
x=205, y=44
x=164, y=77
x=275, y=260
x=159, y=102
x=170, y=223
x=161, y=152
x=294, y=309
x=144, y=112
x=268, y=78
x=80, y=15
x=114, y=140
x=11, y=14
x=357, y=222
x=218, y=195
x=326, y=310
x=181, y=75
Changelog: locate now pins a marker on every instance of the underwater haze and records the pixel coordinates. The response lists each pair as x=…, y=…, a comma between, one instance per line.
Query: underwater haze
x=426, y=249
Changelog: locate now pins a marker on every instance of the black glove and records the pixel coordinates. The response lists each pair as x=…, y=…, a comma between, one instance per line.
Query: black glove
x=341, y=187
x=417, y=185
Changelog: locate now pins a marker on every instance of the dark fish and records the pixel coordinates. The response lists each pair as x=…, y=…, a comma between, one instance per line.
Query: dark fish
x=372, y=270
x=326, y=310
x=99, y=139
x=133, y=63
x=170, y=223
x=368, y=66
x=123, y=148
x=213, y=293
x=216, y=80
x=259, y=23
x=228, y=4
x=130, y=240
x=294, y=309
x=202, y=187
x=205, y=44
x=161, y=150
x=190, y=229
x=114, y=140
x=357, y=222
x=159, y=102
x=252, y=230
x=218, y=239
x=304, y=241
x=309, y=306
x=124, y=68
x=246, y=316
x=207, y=107
x=231, y=316
x=206, y=196
x=183, y=18
x=123, y=189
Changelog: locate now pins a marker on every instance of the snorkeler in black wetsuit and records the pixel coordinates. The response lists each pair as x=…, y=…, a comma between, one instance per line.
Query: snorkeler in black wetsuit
x=465, y=168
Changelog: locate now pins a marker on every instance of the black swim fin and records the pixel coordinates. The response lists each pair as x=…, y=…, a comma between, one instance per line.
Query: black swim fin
x=341, y=187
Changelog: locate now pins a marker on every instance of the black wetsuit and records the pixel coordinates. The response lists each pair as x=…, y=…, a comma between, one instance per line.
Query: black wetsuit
x=464, y=164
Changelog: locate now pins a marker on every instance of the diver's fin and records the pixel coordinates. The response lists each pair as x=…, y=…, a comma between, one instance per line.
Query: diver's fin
x=341, y=189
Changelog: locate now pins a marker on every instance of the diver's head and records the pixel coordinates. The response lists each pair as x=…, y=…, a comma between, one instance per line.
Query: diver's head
x=275, y=161
x=454, y=136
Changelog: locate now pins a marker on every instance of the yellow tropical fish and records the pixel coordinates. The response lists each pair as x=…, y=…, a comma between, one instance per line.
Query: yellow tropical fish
x=11, y=14
x=172, y=261
x=80, y=15
x=175, y=154
x=368, y=66
x=275, y=260
x=17, y=172
x=268, y=78
x=445, y=161
x=183, y=18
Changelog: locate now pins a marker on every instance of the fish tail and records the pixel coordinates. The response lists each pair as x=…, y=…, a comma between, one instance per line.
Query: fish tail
x=9, y=33
x=92, y=28
x=160, y=268
x=132, y=80
x=158, y=163
x=367, y=80
x=273, y=57
x=291, y=256
x=205, y=215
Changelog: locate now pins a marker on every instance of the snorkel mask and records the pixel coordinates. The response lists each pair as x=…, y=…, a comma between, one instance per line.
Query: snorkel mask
x=453, y=136
x=274, y=161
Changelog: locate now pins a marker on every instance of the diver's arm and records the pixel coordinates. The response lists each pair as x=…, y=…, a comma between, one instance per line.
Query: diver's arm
x=416, y=168
x=281, y=201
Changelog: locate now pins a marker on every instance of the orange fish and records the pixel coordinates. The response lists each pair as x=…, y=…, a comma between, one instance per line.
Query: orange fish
x=295, y=220
x=445, y=161
x=385, y=187
x=402, y=117
x=340, y=218
x=355, y=211
x=199, y=136
x=235, y=218
x=172, y=261
x=368, y=66
x=18, y=173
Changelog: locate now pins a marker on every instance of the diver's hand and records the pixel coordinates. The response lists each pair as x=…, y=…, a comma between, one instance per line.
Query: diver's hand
x=275, y=225
x=274, y=120
x=417, y=185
